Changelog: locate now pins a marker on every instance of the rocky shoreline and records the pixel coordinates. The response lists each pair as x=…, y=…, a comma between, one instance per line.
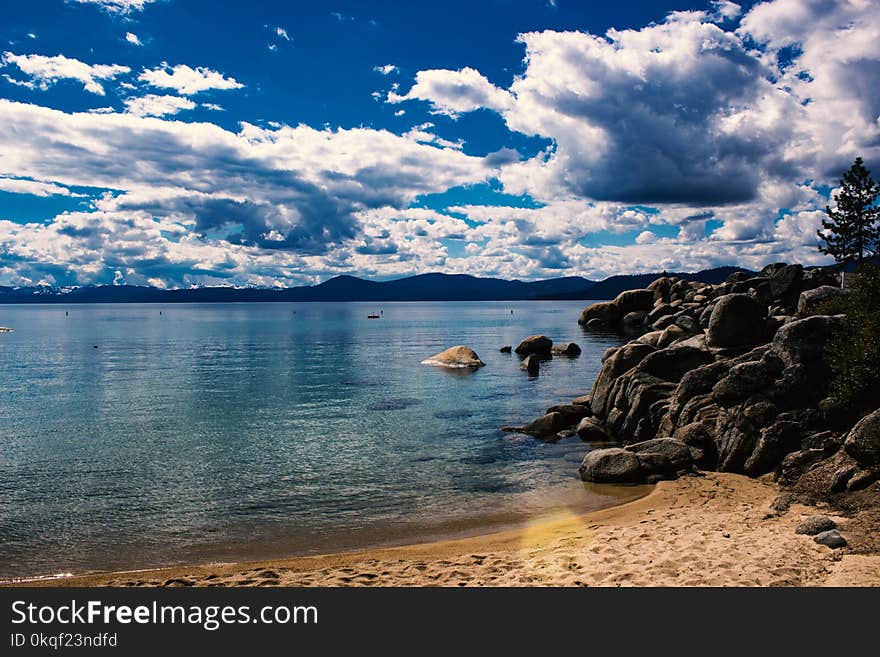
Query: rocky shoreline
x=729, y=378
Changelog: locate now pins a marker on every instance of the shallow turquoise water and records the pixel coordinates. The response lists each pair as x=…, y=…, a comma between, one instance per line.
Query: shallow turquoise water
x=229, y=431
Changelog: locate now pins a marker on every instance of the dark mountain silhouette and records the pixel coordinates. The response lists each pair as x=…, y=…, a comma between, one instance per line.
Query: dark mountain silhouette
x=424, y=287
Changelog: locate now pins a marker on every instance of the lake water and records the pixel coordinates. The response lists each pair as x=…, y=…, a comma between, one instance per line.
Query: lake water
x=219, y=432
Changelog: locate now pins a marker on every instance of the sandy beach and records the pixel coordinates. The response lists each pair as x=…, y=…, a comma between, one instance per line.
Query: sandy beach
x=713, y=530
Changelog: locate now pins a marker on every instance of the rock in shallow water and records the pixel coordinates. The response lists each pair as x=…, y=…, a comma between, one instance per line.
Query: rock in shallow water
x=532, y=365
x=546, y=426
x=569, y=349
x=535, y=344
x=459, y=357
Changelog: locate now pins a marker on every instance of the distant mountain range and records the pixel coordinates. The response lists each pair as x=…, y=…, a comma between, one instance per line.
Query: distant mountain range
x=424, y=287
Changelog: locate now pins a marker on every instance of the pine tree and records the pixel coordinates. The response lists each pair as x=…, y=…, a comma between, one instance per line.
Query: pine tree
x=853, y=233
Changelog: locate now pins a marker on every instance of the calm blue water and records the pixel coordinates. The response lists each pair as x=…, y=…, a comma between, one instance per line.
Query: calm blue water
x=230, y=431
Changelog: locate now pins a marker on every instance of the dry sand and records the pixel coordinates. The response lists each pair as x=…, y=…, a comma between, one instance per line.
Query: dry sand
x=715, y=530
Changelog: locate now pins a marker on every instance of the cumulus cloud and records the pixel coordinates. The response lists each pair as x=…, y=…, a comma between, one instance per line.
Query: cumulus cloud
x=187, y=80
x=454, y=92
x=43, y=71
x=156, y=105
x=261, y=190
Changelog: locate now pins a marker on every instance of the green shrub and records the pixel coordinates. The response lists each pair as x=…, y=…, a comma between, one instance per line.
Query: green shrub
x=853, y=353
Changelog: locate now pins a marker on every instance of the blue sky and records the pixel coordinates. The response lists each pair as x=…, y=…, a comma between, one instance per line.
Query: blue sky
x=267, y=143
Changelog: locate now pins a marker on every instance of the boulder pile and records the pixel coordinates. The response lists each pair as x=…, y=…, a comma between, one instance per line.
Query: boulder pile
x=727, y=377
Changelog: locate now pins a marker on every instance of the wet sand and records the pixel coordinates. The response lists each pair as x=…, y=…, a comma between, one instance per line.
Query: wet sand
x=715, y=530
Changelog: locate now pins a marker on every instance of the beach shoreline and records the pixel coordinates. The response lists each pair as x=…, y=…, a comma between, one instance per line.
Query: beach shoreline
x=711, y=530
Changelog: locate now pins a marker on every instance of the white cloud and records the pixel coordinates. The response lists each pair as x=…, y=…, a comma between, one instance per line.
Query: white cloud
x=156, y=105
x=33, y=187
x=187, y=80
x=133, y=39
x=45, y=71
x=118, y=6
x=724, y=10
x=454, y=92
x=646, y=237
x=387, y=69
x=285, y=199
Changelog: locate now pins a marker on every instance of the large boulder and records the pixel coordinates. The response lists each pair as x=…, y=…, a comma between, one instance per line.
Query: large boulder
x=676, y=451
x=535, y=344
x=611, y=466
x=601, y=313
x=634, y=300
x=803, y=341
x=635, y=318
x=863, y=442
x=672, y=363
x=546, y=427
x=590, y=430
x=736, y=321
x=785, y=283
x=741, y=381
x=810, y=301
x=459, y=357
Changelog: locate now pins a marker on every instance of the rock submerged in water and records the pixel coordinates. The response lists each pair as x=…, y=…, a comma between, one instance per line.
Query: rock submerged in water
x=459, y=357
x=531, y=364
x=539, y=345
x=569, y=349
